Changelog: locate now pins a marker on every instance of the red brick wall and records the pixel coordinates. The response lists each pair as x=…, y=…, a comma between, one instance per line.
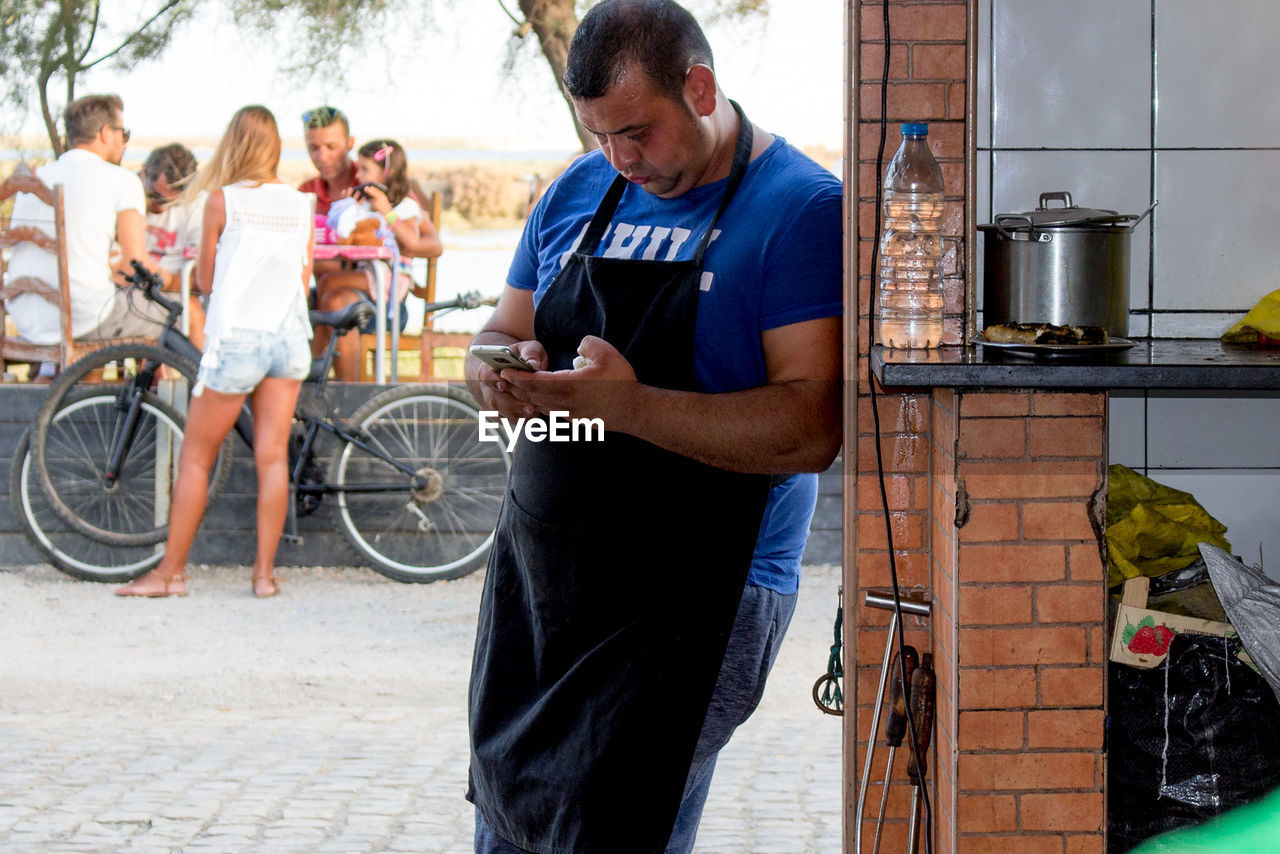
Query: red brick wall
x=1028, y=717
x=927, y=83
x=990, y=497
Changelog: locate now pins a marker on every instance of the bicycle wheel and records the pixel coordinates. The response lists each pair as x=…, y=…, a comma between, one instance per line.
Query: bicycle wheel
x=78, y=440
x=61, y=545
x=438, y=523
x=133, y=508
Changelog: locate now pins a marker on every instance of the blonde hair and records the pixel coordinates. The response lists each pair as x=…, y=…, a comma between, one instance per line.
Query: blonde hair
x=248, y=151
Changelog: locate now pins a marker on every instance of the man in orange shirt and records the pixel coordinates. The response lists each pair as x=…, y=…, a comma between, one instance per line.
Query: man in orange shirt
x=329, y=143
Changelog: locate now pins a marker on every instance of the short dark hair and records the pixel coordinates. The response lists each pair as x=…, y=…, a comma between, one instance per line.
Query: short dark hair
x=84, y=117
x=174, y=161
x=659, y=36
x=323, y=117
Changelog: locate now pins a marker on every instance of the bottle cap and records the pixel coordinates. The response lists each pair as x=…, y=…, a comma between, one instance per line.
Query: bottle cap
x=915, y=129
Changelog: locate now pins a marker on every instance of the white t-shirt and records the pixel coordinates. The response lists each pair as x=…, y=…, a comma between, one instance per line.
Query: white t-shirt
x=93, y=192
x=408, y=208
x=173, y=231
x=257, y=272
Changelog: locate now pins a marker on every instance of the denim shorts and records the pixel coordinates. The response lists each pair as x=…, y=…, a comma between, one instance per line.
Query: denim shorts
x=243, y=357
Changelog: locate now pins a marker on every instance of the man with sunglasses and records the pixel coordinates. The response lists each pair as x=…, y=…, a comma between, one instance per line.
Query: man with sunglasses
x=329, y=143
x=103, y=204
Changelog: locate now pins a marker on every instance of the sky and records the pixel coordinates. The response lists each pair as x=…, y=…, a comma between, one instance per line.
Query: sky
x=441, y=77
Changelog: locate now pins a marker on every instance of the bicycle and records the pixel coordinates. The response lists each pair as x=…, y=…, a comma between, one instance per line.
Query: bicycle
x=416, y=492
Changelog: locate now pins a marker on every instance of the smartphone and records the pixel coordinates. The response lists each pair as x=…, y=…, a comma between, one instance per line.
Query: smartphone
x=499, y=356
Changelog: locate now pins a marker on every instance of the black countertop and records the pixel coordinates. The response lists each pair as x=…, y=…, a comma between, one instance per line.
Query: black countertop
x=1163, y=363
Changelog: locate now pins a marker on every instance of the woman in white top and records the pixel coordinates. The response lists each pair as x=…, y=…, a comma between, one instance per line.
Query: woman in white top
x=380, y=164
x=255, y=262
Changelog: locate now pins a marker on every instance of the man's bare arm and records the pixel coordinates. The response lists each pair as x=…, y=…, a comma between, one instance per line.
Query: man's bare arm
x=131, y=235
x=512, y=324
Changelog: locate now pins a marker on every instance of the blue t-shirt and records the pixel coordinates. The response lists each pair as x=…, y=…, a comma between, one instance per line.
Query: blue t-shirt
x=774, y=260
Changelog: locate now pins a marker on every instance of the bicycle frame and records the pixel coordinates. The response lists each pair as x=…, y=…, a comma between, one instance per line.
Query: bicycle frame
x=415, y=492
x=129, y=406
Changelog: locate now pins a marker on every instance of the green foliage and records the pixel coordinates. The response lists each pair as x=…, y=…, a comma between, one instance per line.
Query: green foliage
x=325, y=35
x=48, y=43
x=710, y=11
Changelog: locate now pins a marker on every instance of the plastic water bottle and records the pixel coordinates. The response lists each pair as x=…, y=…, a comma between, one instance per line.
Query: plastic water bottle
x=910, y=306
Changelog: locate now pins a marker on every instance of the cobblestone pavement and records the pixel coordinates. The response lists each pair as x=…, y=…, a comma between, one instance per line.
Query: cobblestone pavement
x=329, y=719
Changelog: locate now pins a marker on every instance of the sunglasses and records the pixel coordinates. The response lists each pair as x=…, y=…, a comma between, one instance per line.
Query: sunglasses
x=123, y=130
x=322, y=117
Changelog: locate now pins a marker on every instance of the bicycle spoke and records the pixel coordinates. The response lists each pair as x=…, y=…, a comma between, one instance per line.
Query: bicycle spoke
x=459, y=490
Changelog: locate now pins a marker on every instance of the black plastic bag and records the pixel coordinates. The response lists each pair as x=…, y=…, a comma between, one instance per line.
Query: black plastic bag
x=1187, y=740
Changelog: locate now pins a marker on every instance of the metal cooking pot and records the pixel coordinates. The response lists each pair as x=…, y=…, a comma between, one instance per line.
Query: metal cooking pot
x=1064, y=265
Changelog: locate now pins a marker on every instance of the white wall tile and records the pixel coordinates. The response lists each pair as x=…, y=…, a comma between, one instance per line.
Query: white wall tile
x=1194, y=324
x=1214, y=432
x=1139, y=321
x=983, y=102
x=1072, y=75
x=1217, y=229
x=1126, y=423
x=1114, y=180
x=983, y=167
x=1215, y=61
x=1244, y=500
x=982, y=211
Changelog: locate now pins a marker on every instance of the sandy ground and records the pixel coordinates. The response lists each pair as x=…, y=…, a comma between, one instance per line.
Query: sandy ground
x=329, y=718
x=332, y=637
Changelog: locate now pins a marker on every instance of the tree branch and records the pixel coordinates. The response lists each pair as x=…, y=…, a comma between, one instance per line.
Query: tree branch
x=554, y=22
x=133, y=35
x=513, y=18
x=50, y=126
x=93, y=32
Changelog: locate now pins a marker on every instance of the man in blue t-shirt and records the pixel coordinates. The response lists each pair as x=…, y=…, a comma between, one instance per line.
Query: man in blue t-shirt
x=683, y=285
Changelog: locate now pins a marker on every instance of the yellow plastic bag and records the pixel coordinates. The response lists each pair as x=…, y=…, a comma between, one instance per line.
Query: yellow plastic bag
x=1152, y=528
x=1263, y=318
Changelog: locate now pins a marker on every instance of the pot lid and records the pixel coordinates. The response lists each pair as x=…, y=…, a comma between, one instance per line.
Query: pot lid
x=1067, y=215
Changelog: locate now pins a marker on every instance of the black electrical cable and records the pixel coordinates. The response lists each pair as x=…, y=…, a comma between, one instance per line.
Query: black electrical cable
x=875, y=418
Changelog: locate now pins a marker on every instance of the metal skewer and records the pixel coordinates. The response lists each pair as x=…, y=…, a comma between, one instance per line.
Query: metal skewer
x=923, y=687
x=896, y=727
x=883, y=602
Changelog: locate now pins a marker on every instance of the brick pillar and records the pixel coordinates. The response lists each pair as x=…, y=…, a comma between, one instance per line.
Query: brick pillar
x=1029, y=655
x=927, y=83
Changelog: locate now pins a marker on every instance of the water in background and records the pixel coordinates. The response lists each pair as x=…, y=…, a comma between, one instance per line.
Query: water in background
x=473, y=260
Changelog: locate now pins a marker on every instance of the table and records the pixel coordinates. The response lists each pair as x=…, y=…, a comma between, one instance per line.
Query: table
x=378, y=261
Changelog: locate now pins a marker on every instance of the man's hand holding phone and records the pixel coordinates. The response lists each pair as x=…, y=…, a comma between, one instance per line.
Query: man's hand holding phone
x=523, y=356
x=500, y=357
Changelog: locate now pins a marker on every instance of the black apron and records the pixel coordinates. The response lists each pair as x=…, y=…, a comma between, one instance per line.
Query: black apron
x=613, y=582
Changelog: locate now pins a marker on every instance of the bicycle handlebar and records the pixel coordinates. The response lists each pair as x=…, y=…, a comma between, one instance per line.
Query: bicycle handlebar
x=150, y=284
x=470, y=299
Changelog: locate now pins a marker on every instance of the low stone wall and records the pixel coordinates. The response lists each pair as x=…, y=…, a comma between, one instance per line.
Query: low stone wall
x=227, y=533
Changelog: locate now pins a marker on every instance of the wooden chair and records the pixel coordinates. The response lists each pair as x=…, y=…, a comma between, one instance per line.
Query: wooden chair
x=430, y=339
x=57, y=293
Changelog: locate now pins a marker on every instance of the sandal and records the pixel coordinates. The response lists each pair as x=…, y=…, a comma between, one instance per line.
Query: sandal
x=266, y=586
x=169, y=589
